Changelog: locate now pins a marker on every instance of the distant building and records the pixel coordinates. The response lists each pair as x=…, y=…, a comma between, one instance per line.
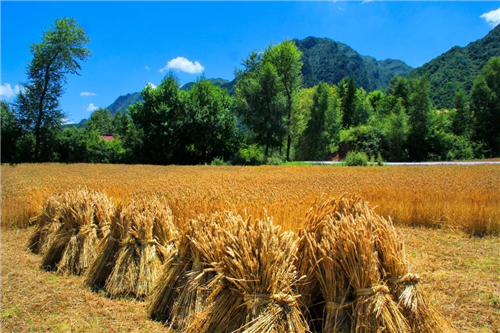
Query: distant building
x=107, y=137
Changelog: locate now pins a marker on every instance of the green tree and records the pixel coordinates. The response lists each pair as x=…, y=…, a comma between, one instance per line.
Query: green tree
x=485, y=104
x=286, y=58
x=314, y=143
x=347, y=94
x=101, y=120
x=462, y=118
x=362, y=108
x=9, y=133
x=420, y=119
x=57, y=55
x=399, y=87
x=160, y=119
x=396, y=133
x=260, y=102
x=212, y=122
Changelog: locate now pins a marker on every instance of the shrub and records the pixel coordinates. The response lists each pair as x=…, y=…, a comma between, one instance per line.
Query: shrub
x=274, y=160
x=356, y=158
x=251, y=155
x=218, y=161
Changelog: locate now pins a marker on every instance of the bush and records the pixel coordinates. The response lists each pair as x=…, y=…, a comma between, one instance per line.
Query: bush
x=274, y=160
x=356, y=158
x=251, y=155
x=218, y=161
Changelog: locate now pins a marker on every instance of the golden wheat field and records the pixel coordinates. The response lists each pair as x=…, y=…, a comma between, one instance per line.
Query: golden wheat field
x=167, y=238
x=466, y=197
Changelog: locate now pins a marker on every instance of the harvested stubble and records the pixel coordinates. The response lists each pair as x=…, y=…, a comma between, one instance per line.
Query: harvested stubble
x=149, y=239
x=80, y=218
x=358, y=264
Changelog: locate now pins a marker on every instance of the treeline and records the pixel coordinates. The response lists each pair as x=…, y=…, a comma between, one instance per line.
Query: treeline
x=270, y=119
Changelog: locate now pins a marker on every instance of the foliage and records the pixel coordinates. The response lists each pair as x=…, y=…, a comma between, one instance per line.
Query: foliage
x=323, y=128
x=364, y=138
x=57, y=55
x=218, y=161
x=457, y=69
x=9, y=133
x=485, y=104
x=356, y=158
x=328, y=61
x=101, y=121
x=249, y=155
x=420, y=119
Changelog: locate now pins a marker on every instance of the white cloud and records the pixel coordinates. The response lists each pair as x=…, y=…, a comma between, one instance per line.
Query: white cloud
x=8, y=92
x=147, y=68
x=92, y=107
x=149, y=84
x=184, y=65
x=492, y=18
x=366, y=1
x=87, y=93
x=66, y=121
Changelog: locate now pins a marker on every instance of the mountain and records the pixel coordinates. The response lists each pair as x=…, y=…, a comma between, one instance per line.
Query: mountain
x=324, y=61
x=217, y=82
x=458, y=68
x=329, y=61
x=123, y=102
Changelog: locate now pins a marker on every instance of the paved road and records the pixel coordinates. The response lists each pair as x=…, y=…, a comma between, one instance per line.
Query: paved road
x=420, y=163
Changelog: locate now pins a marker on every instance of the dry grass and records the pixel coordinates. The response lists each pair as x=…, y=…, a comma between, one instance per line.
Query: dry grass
x=465, y=197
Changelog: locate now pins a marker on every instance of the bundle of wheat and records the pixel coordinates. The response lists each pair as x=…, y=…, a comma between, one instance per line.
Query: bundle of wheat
x=107, y=253
x=403, y=284
x=149, y=240
x=322, y=278
x=85, y=216
x=47, y=222
x=255, y=290
x=207, y=237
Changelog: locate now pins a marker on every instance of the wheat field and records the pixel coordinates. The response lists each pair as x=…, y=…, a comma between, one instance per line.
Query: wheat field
x=464, y=197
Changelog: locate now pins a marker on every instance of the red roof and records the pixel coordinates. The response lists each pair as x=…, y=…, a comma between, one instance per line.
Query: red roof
x=107, y=137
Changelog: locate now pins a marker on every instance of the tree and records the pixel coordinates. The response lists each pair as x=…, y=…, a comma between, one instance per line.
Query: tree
x=286, y=58
x=396, y=133
x=57, y=55
x=347, y=94
x=420, y=119
x=9, y=133
x=160, y=118
x=212, y=122
x=485, y=103
x=462, y=119
x=260, y=101
x=400, y=88
x=101, y=121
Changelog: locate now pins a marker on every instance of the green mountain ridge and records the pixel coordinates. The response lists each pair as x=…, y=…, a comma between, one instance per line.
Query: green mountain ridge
x=329, y=61
x=457, y=68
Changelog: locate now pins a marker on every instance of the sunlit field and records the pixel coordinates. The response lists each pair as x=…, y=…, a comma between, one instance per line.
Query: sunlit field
x=463, y=197
x=447, y=216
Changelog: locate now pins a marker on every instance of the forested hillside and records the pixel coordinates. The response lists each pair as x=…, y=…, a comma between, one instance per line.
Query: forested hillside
x=458, y=68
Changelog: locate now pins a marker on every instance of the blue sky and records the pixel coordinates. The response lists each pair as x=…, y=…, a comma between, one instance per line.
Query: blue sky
x=131, y=42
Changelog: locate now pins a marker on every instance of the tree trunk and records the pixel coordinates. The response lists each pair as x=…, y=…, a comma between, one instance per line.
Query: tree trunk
x=289, y=138
x=38, y=124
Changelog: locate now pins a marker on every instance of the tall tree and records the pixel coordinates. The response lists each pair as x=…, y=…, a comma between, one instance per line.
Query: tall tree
x=420, y=119
x=9, y=133
x=260, y=101
x=485, y=103
x=58, y=54
x=462, y=119
x=396, y=132
x=323, y=126
x=347, y=94
x=212, y=122
x=101, y=120
x=286, y=58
